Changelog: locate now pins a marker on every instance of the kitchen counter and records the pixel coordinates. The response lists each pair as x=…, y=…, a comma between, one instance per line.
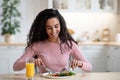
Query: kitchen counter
x=79, y=43
x=99, y=43
x=78, y=76
x=12, y=44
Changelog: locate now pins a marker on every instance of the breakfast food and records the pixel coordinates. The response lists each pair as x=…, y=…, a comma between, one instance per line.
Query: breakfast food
x=61, y=74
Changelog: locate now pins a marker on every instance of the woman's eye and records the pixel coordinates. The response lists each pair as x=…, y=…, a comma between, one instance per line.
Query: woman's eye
x=49, y=28
x=56, y=26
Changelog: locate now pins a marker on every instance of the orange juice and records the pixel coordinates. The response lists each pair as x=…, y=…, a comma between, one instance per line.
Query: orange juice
x=29, y=70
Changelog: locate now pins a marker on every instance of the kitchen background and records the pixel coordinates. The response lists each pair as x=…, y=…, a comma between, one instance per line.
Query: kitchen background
x=81, y=21
x=87, y=22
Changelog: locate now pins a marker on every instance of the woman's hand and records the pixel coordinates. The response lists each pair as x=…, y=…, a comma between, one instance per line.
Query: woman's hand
x=38, y=62
x=76, y=63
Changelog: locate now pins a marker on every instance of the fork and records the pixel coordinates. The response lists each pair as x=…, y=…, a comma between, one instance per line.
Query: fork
x=49, y=70
x=63, y=70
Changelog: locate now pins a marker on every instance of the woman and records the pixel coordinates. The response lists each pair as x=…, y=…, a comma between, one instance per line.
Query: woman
x=50, y=41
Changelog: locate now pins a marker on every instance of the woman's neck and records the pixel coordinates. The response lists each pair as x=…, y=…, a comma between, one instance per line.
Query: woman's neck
x=53, y=40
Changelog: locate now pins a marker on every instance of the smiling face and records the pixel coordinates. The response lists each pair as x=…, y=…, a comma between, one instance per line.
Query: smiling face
x=53, y=29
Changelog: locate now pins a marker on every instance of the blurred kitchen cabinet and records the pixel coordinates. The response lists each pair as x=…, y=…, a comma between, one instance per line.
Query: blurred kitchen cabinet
x=108, y=5
x=113, y=59
x=45, y=4
x=8, y=55
x=71, y=4
x=84, y=5
x=96, y=56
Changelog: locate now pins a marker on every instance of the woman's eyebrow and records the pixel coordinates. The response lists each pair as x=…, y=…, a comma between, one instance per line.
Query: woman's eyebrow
x=54, y=25
x=57, y=24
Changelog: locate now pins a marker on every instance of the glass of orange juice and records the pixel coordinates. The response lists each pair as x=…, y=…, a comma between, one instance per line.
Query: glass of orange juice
x=30, y=71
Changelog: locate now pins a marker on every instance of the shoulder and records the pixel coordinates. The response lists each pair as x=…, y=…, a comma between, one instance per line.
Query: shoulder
x=74, y=45
x=40, y=43
x=72, y=42
x=37, y=45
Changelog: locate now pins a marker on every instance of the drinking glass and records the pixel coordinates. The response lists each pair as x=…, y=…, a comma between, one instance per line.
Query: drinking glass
x=30, y=71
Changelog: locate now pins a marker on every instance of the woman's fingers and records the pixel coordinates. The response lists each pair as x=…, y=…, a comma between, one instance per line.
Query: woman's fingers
x=75, y=63
x=38, y=62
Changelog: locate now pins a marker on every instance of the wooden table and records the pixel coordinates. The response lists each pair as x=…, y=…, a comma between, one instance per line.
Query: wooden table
x=78, y=76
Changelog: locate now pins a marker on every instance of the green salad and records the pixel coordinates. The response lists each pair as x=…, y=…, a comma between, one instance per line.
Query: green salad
x=63, y=74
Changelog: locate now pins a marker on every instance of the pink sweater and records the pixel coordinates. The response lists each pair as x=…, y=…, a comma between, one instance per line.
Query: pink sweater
x=51, y=56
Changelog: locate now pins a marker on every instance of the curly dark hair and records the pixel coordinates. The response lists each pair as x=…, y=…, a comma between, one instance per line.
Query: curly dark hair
x=38, y=32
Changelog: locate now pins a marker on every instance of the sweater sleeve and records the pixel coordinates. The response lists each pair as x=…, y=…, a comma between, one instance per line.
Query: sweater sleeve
x=20, y=63
x=87, y=67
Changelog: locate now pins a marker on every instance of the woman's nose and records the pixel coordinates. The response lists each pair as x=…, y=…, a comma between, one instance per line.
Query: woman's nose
x=53, y=30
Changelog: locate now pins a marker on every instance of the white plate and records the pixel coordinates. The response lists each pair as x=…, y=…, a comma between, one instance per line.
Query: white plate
x=46, y=75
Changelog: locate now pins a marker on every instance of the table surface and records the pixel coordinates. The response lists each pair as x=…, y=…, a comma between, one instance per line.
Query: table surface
x=78, y=76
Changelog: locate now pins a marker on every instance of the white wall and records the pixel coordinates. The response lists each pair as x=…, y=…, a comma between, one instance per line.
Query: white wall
x=79, y=22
